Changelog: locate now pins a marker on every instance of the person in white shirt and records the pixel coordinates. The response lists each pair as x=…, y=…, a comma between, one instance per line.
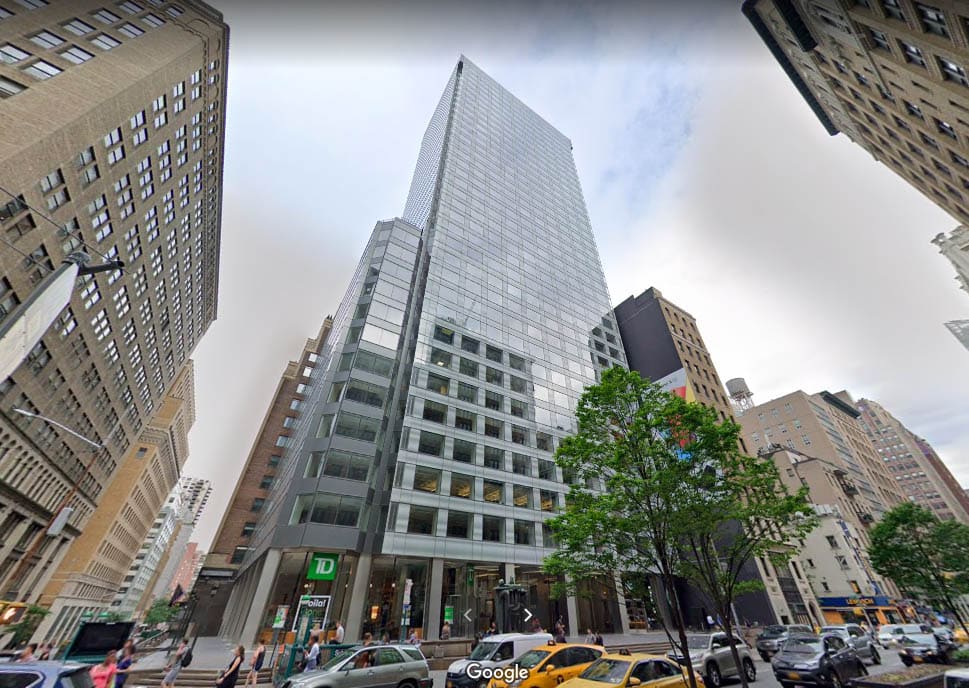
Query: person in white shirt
x=340, y=633
x=313, y=657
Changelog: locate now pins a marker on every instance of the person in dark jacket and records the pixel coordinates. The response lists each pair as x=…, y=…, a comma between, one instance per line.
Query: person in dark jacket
x=227, y=679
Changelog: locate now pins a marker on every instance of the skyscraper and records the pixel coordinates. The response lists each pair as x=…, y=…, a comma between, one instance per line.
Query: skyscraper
x=111, y=142
x=890, y=74
x=920, y=473
x=424, y=465
x=960, y=330
x=955, y=247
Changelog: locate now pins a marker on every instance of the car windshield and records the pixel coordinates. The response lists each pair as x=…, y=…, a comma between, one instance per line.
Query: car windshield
x=918, y=639
x=802, y=645
x=606, y=671
x=834, y=629
x=532, y=658
x=483, y=651
x=337, y=658
x=774, y=631
x=698, y=642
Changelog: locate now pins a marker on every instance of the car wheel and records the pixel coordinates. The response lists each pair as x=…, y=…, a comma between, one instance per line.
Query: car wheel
x=862, y=669
x=764, y=656
x=750, y=671
x=713, y=677
x=406, y=684
x=907, y=662
x=836, y=681
x=875, y=657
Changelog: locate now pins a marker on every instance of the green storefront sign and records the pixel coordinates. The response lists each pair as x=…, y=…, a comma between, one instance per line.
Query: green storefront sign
x=449, y=614
x=322, y=567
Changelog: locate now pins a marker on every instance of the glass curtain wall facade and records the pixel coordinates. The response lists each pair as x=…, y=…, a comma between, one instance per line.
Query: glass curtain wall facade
x=457, y=358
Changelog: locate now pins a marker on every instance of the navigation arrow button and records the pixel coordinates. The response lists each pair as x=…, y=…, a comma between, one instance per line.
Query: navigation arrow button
x=528, y=615
x=465, y=615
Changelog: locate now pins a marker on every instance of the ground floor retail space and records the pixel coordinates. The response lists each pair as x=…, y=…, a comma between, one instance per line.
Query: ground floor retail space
x=873, y=611
x=295, y=591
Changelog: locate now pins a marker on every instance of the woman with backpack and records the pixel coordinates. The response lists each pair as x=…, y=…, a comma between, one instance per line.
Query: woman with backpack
x=183, y=656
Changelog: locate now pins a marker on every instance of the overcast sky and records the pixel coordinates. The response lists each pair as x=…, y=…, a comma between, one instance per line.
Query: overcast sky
x=807, y=264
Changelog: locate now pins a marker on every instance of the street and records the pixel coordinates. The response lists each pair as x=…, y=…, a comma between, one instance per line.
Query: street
x=765, y=677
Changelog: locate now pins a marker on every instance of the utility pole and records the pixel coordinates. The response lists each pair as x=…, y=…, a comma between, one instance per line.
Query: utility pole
x=61, y=514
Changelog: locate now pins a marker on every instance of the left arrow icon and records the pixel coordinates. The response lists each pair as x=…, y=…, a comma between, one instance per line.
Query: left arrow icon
x=466, y=615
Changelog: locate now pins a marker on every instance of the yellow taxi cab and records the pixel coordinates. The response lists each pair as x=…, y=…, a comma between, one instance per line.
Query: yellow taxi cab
x=960, y=635
x=546, y=666
x=625, y=670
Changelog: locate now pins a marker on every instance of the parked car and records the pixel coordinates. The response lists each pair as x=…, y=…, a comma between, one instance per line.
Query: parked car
x=960, y=636
x=45, y=675
x=711, y=656
x=855, y=636
x=552, y=664
x=889, y=634
x=630, y=670
x=494, y=651
x=957, y=678
x=924, y=647
x=769, y=642
x=372, y=665
x=824, y=660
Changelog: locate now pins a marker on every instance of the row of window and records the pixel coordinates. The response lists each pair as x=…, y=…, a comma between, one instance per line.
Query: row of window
x=428, y=479
x=471, y=368
x=424, y=521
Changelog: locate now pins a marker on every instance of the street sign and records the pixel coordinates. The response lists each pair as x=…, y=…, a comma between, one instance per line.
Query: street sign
x=315, y=606
x=449, y=614
x=280, y=620
x=322, y=567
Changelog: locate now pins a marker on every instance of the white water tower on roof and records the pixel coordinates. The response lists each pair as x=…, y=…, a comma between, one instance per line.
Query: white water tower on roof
x=740, y=395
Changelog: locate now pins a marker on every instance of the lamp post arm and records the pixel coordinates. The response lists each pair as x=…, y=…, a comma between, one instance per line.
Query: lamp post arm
x=62, y=427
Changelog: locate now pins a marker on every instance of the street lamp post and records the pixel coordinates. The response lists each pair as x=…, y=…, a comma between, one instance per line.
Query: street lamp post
x=62, y=513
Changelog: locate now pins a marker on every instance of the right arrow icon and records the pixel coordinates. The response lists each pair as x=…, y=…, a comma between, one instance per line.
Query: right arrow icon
x=528, y=615
x=466, y=615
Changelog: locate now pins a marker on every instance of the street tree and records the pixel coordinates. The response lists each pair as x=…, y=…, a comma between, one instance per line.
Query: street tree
x=928, y=558
x=24, y=629
x=677, y=499
x=160, y=612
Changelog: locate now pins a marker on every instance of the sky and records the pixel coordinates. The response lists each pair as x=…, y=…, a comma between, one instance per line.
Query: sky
x=807, y=264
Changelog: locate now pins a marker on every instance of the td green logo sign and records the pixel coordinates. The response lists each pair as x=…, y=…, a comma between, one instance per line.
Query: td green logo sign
x=322, y=567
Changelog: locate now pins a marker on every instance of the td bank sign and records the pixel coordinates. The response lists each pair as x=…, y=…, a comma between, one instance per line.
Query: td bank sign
x=322, y=567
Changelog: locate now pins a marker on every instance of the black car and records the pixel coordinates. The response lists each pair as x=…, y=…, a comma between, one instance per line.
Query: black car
x=810, y=660
x=769, y=642
x=926, y=647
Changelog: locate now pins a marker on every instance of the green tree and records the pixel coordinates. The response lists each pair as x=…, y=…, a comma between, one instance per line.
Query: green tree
x=24, y=629
x=928, y=558
x=677, y=499
x=160, y=612
x=741, y=509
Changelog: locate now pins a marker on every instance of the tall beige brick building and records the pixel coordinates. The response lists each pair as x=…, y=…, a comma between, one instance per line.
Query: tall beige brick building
x=889, y=74
x=111, y=141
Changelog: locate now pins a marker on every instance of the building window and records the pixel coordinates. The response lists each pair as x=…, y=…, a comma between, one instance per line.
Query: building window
x=78, y=28
x=328, y=509
x=518, y=385
x=928, y=140
x=442, y=334
x=105, y=42
x=470, y=345
x=519, y=409
x=42, y=70
x=467, y=392
x=493, y=427
x=427, y=479
x=437, y=383
x=494, y=492
x=357, y=427
x=493, y=353
x=521, y=464
x=239, y=554
x=46, y=39
x=953, y=72
x=913, y=54
x=522, y=496
x=493, y=529
x=257, y=504
x=463, y=451
x=494, y=458
x=266, y=483
x=462, y=486
x=493, y=400
x=441, y=358
x=893, y=10
x=130, y=30
x=365, y=393
x=879, y=39
x=524, y=533
x=434, y=412
x=459, y=524
x=431, y=443
x=832, y=541
x=932, y=19
x=519, y=435
x=106, y=16
x=468, y=367
x=516, y=362
x=421, y=520
x=493, y=376
x=464, y=420
x=546, y=469
x=248, y=529
x=78, y=56
x=9, y=88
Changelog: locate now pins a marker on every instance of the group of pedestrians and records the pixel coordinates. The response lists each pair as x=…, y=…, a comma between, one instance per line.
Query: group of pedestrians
x=227, y=677
x=113, y=671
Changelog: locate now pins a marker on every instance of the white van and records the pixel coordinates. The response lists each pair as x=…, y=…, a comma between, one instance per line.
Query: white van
x=493, y=651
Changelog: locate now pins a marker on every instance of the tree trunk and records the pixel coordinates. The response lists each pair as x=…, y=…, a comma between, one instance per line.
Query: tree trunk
x=681, y=628
x=728, y=627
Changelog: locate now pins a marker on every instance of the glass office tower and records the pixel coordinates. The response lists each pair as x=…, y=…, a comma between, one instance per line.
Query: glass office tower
x=458, y=354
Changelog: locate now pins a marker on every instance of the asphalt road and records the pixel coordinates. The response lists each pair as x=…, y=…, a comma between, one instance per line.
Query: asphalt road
x=765, y=677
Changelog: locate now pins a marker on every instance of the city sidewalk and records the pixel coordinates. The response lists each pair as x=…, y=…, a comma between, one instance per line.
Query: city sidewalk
x=209, y=653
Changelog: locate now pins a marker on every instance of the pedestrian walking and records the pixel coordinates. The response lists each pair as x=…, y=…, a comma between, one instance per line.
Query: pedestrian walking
x=710, y=622
x=27, y=655
x=227, y=679
x=124, y=666
x=175, y=665
x=340, y=633
x=102, y=675
x=560, y=633
x=313, y=656
x=43, y=653
x=590, y=637
x=598, y=641
x=414, y=639
x=257, y=656
x=446, y=631
x=368, y=639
